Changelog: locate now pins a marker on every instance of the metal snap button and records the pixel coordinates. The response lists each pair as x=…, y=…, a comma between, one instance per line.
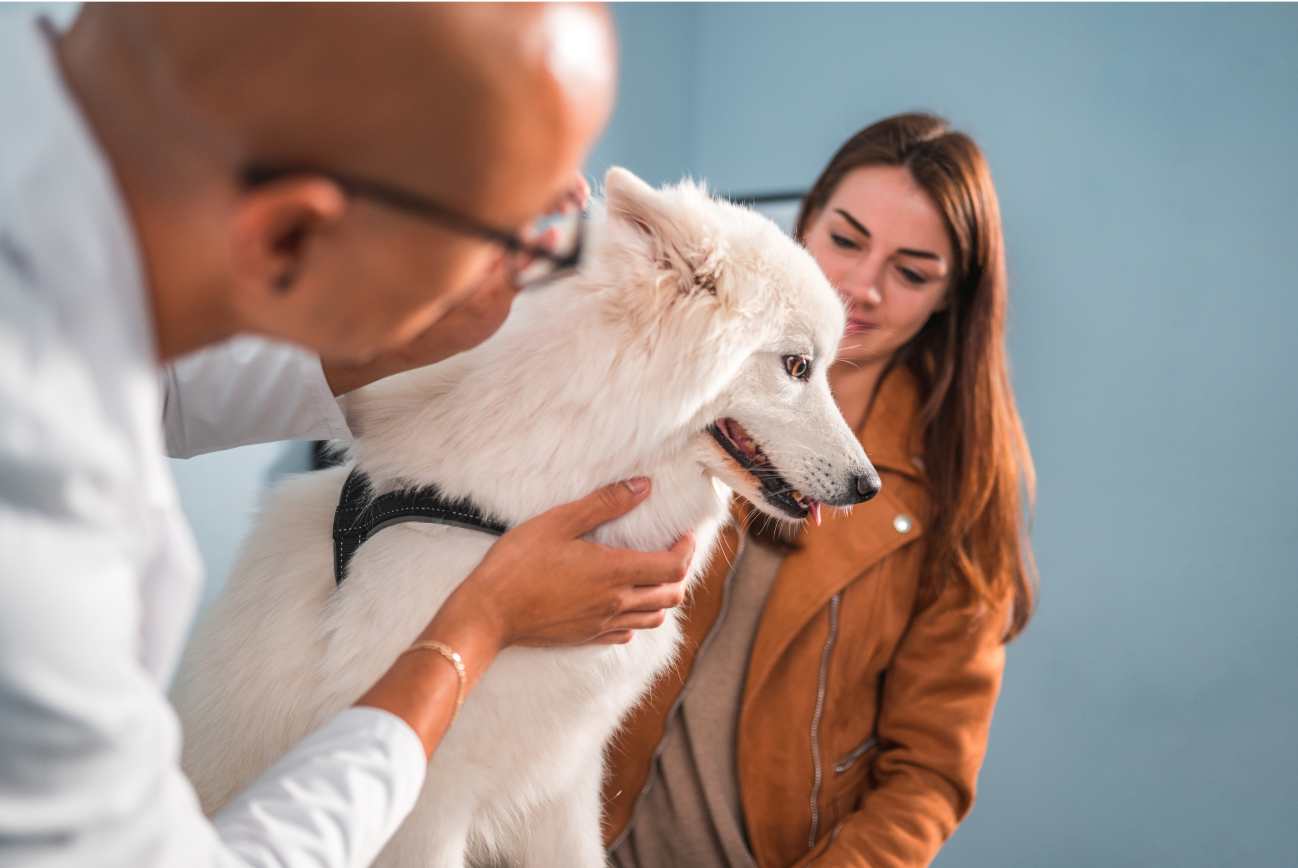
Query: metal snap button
x=902, y=523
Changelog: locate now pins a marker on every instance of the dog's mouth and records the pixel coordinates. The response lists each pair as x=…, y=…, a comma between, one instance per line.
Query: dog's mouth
x=740, y=446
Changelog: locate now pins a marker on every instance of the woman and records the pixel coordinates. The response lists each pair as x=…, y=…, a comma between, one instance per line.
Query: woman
x=832, y=703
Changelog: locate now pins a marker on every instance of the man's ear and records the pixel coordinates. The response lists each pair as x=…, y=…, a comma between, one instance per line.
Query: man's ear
x=273, y=225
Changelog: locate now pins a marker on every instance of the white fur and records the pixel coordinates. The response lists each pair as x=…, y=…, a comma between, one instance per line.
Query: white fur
x=682, y=313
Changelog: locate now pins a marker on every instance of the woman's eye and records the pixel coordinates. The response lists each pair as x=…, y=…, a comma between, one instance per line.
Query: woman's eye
x=799, y=367
x=913, y=276
x=843, y=241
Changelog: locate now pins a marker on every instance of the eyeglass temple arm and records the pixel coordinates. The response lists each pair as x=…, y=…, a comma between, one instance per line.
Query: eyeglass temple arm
x=255, y=176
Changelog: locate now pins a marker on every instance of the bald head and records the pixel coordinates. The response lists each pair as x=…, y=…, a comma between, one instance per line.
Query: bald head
x=488, y=109
x=456, y=100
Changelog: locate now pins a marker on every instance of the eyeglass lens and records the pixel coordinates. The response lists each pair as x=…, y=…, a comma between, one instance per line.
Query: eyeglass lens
x=559, y=233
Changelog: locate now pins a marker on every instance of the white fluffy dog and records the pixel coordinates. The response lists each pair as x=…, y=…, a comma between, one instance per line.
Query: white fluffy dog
x=691, y=348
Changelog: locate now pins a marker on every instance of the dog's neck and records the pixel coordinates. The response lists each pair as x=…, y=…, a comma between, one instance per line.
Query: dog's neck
x=551, y=408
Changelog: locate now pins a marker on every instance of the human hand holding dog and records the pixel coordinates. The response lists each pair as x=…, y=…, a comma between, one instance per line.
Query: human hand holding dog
x=540, y=584
x=548, y=586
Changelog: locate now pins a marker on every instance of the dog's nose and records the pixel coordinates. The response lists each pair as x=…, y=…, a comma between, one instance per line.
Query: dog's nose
x=867, y=486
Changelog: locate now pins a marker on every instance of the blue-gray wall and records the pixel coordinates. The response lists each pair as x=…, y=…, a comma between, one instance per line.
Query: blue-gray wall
x=1147, y=162
x=1145, y=157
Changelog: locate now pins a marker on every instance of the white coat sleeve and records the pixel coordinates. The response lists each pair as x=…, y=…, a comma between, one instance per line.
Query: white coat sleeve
x=89, y=746
x=247, y=390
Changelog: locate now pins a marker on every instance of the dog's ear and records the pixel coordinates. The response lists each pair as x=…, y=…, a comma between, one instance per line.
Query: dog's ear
x=689, y=264
x=634, y=202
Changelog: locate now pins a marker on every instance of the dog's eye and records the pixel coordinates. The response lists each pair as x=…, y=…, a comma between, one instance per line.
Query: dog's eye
x=799, y=367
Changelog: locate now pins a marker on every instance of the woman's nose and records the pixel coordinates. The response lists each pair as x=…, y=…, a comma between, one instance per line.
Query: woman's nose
x=862, y=285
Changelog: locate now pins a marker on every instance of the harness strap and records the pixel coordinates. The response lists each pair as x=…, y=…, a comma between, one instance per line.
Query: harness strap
x=360, y=515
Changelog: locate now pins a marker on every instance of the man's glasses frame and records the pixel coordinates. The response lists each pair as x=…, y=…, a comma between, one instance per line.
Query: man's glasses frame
x=524, y=256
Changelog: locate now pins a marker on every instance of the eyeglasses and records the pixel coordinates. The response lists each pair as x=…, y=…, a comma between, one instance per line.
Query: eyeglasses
x=555, y=248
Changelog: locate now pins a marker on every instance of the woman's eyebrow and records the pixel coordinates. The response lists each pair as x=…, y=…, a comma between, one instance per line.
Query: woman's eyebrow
x=855, y=223
x=905, y=251
x=922, y=254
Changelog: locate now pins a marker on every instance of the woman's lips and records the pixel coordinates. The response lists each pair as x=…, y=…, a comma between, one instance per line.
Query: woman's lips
x=860, y=326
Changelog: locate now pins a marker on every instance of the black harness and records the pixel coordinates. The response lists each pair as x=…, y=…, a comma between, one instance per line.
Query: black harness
x=360, y=515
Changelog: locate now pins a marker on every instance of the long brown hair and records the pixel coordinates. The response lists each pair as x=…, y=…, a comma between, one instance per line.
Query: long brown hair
x=976, y=455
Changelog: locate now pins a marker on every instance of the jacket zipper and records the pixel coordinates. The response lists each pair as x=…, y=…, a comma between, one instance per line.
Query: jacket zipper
x=859, y=751
x=680, y=699
x=832, y=839
x=815, y=719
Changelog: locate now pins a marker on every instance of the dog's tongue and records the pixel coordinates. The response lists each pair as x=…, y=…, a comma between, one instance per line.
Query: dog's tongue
x=814, y=506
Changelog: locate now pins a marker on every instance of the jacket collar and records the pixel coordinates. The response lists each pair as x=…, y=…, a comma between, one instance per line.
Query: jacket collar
x=888, y=434
x=830, y=557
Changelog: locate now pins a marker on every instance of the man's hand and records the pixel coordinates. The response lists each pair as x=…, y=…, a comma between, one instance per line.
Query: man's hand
x=542, y=584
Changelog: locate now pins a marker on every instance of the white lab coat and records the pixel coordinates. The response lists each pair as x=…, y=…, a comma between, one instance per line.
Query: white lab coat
x=248, y=390
x=99, y=575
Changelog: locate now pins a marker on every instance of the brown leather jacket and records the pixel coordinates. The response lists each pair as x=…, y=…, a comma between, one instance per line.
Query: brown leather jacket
x=866, y=710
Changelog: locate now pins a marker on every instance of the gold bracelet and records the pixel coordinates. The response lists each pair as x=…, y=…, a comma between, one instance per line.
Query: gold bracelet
x=453, y=659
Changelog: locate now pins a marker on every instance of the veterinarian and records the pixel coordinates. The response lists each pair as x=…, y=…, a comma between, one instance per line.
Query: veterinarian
x=171, y=176
x=832, y=702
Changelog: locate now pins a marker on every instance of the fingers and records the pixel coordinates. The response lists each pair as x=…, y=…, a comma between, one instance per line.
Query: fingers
x=644, y=607
x=617, y=637
x=647, y=570
x=684, y=548
x=582, y=516
x=564, y=589
x=622, y=628
x=654, y=598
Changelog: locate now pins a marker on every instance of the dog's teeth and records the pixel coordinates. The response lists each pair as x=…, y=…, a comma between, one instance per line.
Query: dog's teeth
x=815, y=512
